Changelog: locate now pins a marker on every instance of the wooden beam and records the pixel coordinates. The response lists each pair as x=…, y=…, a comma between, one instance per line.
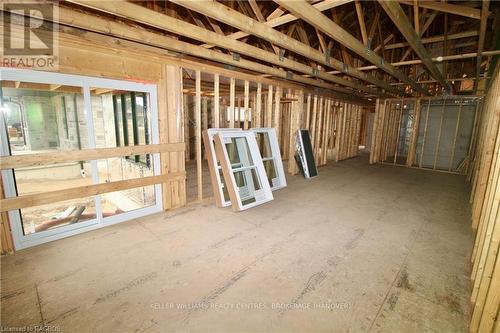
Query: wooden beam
x=317, y=19
x=277, y=18
x=361, y=20
x=32, y=160
x=197, y=117
x=435, y=59
x=33, y=200
x=435, y=39
x=233, y=18
x=160, y=43
x=159, y=20
x=482, y=34
x=446, y=8
x=397, y=15
x=232, y=86
x=416, y=18
x=216, y=101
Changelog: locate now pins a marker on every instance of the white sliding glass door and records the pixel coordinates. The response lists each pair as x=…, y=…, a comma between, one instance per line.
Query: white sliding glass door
x=50, y=112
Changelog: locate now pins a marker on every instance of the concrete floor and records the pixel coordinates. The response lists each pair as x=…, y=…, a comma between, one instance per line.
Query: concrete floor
x=359, y=248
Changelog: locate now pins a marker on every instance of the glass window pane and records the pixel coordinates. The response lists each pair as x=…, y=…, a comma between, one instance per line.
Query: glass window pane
x=55, y=215
x=44, y=118
x=264, y=145
x=239, y=152
x=117, y=169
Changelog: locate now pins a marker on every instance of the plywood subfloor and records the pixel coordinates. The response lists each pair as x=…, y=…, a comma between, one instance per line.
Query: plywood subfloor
x=359, y=248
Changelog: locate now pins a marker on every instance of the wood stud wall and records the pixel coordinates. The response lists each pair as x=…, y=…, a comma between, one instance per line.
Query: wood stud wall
x=387, y=132
x=335, y=126
x=485, y=198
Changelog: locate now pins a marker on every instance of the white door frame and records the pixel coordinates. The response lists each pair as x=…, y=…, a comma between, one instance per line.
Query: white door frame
x=22, y=241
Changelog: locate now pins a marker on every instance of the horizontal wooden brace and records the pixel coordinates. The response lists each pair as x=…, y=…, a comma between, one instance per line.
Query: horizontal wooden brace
x=38, y=199
x=61, y=156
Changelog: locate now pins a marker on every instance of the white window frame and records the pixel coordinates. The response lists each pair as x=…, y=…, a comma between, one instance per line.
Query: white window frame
x=280, y=180
x=22, y=241
x=261, y=196
x=214, y=165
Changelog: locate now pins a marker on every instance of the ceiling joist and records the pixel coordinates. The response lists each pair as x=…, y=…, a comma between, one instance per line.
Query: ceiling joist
x=397, y=15
x=308, y=13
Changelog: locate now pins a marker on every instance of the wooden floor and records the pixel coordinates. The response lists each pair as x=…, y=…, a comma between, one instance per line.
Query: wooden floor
x=359, y=248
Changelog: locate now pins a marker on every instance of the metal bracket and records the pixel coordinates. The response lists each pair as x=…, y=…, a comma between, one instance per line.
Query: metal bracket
x=327, y=55
x=230, y=67
x=315, y=71
x=289, y=75
x=282, y=55
x=382, y=62
x=236, y=56
x=369, y=44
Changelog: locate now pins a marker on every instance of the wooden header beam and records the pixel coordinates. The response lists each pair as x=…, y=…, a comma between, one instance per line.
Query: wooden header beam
x=317, y=19
x=158, y=20
x=238, y=20
x=398, y=16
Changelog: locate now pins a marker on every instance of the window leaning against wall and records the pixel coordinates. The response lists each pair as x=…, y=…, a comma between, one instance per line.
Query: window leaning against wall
x=131, y=123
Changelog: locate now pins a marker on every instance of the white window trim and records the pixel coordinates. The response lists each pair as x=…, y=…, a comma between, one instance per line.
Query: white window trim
x=214, y=166
x=22, y=241
x=280, y=180
x=264, y=194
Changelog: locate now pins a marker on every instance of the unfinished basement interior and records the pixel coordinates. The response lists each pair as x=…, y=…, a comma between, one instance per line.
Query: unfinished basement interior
x=250, y=166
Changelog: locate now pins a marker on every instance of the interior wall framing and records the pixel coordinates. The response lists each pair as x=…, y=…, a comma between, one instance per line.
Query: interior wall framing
x=485, y=199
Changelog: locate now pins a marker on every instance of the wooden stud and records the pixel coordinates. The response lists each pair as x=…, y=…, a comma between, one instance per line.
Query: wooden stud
x=269, y=109
x=425, y=133
x=231, y=102
x=414, y=133
x=216, y=101
x=455, y=136
x=246, y=104
x=438, y=142
x=258, y=107
x=277, y=112
x=197, y=114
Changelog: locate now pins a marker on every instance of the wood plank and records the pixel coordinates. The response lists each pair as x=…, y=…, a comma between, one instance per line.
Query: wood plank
x=238, y=20
x=197, y=115
x=33, y=200
x=161, y=21
x=232, y=88
x=216, y=101
x=277, y=18
x=258, y=107
x=246, y=104
x=361, y=21
x=397, y=15
x=317, y=19
x=482, y=36
x=446, y=8
x=455, y=136
x=269, y=109
x=438, y=141
x=67, y=156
